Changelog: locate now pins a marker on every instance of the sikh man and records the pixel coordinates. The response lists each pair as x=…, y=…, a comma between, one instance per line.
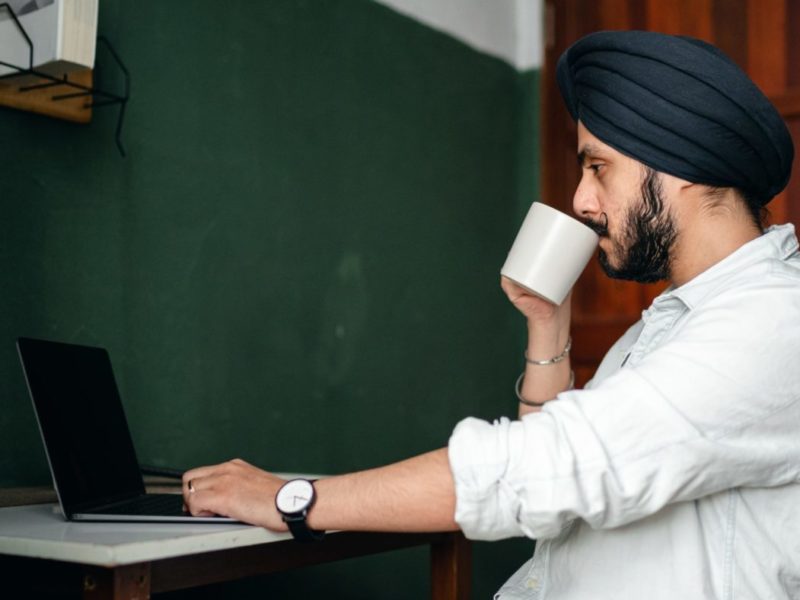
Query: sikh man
x=675, y=472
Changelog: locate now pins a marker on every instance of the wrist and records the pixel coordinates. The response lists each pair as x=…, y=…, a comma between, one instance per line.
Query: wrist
x=538, y=404
x=547, y=367
x=546, y=342
x=554, y=358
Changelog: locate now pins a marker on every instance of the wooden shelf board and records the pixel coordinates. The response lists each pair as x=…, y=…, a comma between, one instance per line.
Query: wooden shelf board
x=40, y=101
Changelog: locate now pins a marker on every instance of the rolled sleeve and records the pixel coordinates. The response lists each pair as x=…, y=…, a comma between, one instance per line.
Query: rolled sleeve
x=487, y=507
x=608, y=456
x=580, y=457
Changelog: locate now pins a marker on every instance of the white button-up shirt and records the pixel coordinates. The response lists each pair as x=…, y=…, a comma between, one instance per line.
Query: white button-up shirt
x=676, y=472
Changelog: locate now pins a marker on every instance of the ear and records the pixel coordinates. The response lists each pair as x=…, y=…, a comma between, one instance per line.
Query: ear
x=680, y=188
x=694, y=191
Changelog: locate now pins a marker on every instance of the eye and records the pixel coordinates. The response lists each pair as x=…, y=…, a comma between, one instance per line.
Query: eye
x=595, y=167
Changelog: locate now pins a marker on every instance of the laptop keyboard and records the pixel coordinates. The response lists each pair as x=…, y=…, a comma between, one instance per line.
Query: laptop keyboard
x=168, y=505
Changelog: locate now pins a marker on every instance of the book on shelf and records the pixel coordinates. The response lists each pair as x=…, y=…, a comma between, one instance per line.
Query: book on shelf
x=63, y=33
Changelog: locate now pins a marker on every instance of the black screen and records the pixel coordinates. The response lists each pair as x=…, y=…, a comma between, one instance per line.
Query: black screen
x=80, y=414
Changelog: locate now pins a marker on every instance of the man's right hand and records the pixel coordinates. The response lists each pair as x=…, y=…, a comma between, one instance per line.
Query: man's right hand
x=536, y=309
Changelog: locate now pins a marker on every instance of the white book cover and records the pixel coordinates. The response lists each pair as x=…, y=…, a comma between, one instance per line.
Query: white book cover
x=63, y=32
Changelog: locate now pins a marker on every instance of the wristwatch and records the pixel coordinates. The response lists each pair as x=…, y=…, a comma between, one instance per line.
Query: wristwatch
x=293, y=500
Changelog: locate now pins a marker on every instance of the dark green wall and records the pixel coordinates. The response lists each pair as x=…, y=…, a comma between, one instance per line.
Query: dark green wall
x=297, y=263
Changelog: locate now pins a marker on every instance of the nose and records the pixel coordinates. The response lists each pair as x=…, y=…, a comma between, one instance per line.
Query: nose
x=585, y=203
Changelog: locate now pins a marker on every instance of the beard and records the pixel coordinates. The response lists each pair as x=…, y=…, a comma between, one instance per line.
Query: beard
x=647, y=236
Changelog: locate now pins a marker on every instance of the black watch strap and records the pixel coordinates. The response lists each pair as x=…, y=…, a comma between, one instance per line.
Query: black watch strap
x=300, y=529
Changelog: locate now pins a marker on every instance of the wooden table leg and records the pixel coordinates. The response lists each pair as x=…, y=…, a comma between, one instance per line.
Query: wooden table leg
x=128, y=582
x=451, y=568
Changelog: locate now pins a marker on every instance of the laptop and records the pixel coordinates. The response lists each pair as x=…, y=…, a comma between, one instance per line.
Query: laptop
x=95, y=471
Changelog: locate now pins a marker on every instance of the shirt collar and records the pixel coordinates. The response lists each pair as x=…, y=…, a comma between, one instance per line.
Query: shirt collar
x=777, y=243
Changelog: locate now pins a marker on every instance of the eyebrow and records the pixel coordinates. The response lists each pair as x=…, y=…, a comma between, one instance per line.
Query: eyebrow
x=586, y=151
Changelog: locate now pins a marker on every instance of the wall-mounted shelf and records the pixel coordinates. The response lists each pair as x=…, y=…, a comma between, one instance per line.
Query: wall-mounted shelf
x=72, y=96
x=41, y=96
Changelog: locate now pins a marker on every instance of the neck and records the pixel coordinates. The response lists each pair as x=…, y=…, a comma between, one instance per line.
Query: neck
x=708, y=235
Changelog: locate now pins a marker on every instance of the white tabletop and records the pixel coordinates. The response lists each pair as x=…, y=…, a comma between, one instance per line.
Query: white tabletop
x=40, y=531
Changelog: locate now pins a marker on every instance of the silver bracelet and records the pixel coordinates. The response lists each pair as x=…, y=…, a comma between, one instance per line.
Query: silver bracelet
x=555, y=359
x=518, y=387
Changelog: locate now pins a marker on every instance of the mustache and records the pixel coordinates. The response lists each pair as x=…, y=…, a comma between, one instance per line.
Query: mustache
x=599, y=227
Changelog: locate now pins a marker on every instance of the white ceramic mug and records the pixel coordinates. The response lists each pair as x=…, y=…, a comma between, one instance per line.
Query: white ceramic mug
x=549, y=253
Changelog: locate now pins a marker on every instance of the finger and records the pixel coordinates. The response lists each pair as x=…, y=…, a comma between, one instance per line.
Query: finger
x=187, y=492
x=193, y=476
x=209, y=486
x=199, y=514
x=511, y=287
x=196, y=484
x=192, y=484
x=203, y=504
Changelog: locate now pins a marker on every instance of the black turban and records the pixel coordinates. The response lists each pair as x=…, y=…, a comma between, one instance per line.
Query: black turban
x=680, y=106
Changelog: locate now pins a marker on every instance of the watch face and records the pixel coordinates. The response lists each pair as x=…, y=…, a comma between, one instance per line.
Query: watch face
x=295, y=496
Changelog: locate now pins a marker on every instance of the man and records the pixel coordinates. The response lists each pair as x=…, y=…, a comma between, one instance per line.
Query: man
x=676, y=472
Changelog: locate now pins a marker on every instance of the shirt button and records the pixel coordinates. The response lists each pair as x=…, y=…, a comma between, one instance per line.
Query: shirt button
x=532, y=583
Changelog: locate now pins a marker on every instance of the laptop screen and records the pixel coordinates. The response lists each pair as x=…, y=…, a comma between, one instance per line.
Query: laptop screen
x=82, y=422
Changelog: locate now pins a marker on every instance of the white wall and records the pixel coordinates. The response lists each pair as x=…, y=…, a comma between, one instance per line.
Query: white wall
x=508, y=29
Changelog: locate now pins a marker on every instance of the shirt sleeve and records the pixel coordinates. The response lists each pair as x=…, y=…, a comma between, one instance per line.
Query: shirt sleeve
x=704, y=412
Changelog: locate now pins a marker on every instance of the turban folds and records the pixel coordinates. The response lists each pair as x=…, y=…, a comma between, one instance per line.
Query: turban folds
x=680, y=106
